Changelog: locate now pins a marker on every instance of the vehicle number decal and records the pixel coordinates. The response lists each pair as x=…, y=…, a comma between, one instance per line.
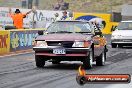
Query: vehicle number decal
x=59, y=51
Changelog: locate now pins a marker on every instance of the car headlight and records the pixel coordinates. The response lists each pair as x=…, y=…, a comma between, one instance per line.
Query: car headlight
x=81, y=44
x=41, y=44
x=113, y=36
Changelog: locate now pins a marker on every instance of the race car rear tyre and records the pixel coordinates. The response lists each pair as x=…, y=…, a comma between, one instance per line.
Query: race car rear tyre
x=39, y=61
x=114, y=45
x=100, y=60
x=55, y=62
x=88, y=61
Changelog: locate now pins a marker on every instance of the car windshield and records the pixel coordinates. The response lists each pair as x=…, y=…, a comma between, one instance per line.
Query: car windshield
x=69, y=27
x=125, y=26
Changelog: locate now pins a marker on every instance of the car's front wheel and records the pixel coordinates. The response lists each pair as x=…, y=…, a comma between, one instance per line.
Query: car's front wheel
x=113, y=45
x=39, y=61
x=88, y=61
x=100, y=60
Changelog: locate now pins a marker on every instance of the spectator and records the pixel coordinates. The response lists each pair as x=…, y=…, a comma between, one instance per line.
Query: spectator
x=56, y=6
x=64, y=5
x=94, y=26
x=64, y=17
x=103, y=24
x=18, y=17
x=70, y=16
x=61, y=5
x=56, y=17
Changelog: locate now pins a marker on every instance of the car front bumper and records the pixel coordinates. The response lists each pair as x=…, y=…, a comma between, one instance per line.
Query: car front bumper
x=121, y=41
x=69, y=51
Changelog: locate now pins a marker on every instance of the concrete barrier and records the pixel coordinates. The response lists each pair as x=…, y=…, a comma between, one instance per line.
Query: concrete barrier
x=17, y=40
x=4, y=42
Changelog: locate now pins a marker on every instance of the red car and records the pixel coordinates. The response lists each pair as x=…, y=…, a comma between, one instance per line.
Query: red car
x=70, y=41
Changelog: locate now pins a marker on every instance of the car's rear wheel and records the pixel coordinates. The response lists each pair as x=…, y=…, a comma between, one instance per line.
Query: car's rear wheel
x=56, y=62
x=100, y=60
x=39, y=61
x=113, y=45
x=88, y=61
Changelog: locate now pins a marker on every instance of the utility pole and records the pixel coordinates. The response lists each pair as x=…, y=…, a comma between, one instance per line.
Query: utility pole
x=111, y=9
x=24, y=3
x=37, y=3
x=30, y=3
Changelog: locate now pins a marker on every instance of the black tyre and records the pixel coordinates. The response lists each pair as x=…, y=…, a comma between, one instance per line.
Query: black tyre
x=88, y=61
x=100, y=60
x=39, y=61
x=55, y=62
x=120, y=45
x=113, y=45
x=81, y=80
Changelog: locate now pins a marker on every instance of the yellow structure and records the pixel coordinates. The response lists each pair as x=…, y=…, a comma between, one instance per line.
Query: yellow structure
x=17, y=40
x=4, y=42
x=105, y=17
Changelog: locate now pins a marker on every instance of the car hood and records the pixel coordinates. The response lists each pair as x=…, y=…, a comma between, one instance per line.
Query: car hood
x=123, y=32
x=65, y=37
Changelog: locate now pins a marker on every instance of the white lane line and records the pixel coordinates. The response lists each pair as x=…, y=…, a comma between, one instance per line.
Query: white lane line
x=114, y=54
x=14, y=54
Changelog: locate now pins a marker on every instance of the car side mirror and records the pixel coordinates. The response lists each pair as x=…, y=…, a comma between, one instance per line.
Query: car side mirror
x=98, y=33
x=40, y=32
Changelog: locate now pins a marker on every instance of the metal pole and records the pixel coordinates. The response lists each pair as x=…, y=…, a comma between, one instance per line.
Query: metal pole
x=30, y=2
x=24, y=3
x=37, y=3
x=34, y=14
x=111, y=9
